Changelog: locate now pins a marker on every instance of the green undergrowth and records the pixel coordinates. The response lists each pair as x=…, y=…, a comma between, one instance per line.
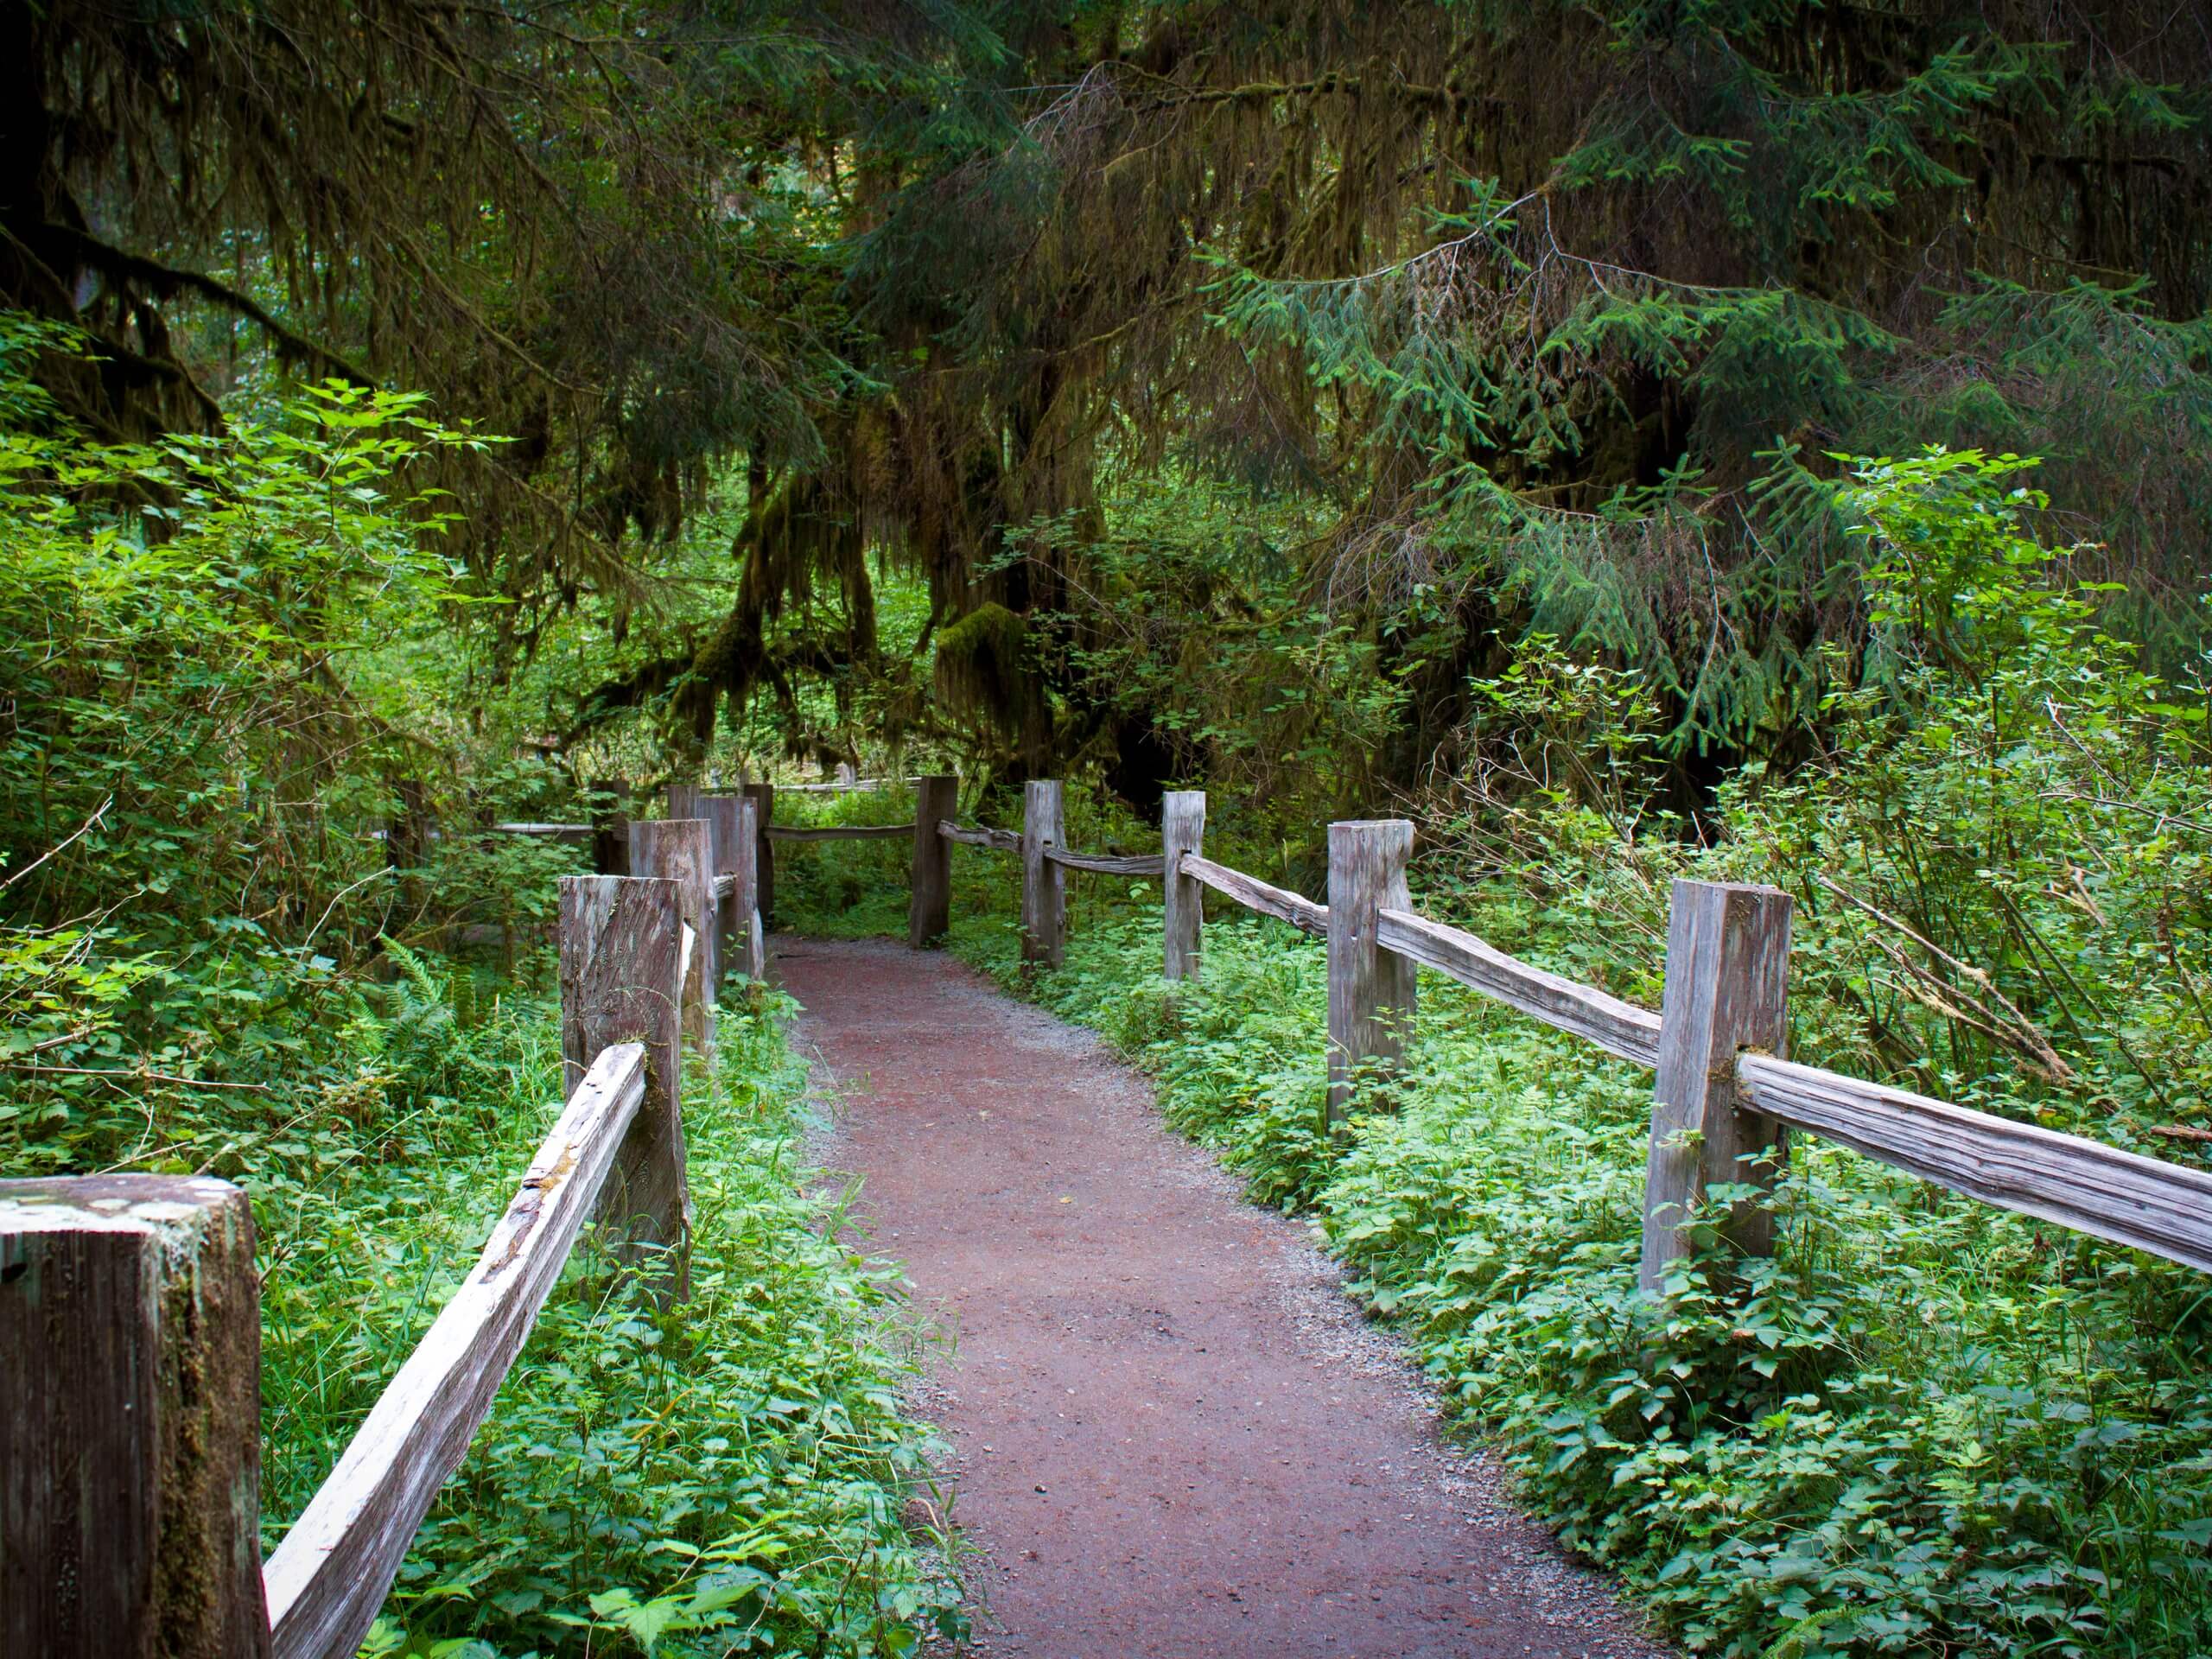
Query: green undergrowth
x=1925, y=1426
x=734, y=1476
x=844, y=889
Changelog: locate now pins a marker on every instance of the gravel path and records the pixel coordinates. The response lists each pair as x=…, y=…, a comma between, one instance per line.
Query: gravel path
x=1172, y=1435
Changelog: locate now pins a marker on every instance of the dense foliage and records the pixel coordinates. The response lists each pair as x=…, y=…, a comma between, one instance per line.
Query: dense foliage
x=733, y=1476
x=1737, y=437
x=225, y=656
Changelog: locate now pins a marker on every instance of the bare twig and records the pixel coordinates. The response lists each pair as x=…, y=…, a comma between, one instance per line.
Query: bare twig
x=132, y=1071
x=2024, y=1036
x=99, y=812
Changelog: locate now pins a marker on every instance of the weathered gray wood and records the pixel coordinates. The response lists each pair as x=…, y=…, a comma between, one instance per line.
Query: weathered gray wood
x=1137, y=864
x=841, y=832
x=1044, y=889
x=619, y=940
x=744, y=892
x=1182, y=830
x=332, y=1572
x=677, y=848
x=1617, y=1027
x=1370, y=989
x=982, y=835
x=763, y=796
x=1253, y=893
x=575, y=834
x=683, y=800
x=731, y=840
x=131, y=1431
x=2146, y=1202
x=928, y=904
x=610, y=827
x=1727, y=979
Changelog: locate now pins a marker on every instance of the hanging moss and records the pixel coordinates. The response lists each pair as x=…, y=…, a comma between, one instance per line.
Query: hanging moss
x=986, y=670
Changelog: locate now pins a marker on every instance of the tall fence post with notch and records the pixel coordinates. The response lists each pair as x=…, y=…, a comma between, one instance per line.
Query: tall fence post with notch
x=727, y=823
x=130, y=1446
x=763, y=796
x=610, y=827
x=675, y=848
x=622, y=944
x=1726, y=990
x=1044, y=884
x=1182, y=830
x=928, y=904
x=745, y=891
x=1370, y=989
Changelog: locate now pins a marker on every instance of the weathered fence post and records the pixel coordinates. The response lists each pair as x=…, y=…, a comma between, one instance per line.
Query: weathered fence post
x=610, y=827
x=727, y=821
x=130, y=1440
x=1044, y=884
x=1727, y=988
x=622, y=944
x=928, y=907
x=684, y=801
x=1183, y=830
x=745, y=891
x=677, y=848
x=1370, y=989
x=763, y=796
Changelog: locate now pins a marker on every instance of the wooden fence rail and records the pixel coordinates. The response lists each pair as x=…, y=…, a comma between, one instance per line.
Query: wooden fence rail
x=1253, y=893
x=1725, y=1095
x=130, y=1500
x=329, y=1576
x=130, y=1319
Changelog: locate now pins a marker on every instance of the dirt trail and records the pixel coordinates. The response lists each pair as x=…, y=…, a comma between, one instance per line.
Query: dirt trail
x=1173, y=1436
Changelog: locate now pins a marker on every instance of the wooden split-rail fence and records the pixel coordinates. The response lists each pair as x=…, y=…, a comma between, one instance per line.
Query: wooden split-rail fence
x=130, y=1306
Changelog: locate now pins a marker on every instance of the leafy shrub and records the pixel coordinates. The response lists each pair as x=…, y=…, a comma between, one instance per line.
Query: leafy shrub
x=734, y=1476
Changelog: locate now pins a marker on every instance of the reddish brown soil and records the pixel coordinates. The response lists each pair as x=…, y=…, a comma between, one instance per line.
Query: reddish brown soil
x=1172, y=1437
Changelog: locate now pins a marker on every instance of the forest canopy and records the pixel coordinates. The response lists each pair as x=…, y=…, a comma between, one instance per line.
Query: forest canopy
x=1473, y=322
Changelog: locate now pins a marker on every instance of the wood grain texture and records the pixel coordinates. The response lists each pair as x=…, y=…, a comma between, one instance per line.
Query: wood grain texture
x=763, y=796
x=841, y=832
x=1727, y=981
x=1182, y=832
x=928, y=886
x=1619, y=1027
x=683, y=800
x=1136, y=864
x=1253, y=893
x=675, y=848
x=2123, y=1196
x=999, y=841
x=621, y=937
x=736, y=853
x=332, y=1572
x=130, y=1443
x=1371, y=989
x=1044, y=886
x=722, y=815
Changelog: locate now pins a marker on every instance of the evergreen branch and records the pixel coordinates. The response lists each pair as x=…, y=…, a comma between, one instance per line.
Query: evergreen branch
x=165, y=281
